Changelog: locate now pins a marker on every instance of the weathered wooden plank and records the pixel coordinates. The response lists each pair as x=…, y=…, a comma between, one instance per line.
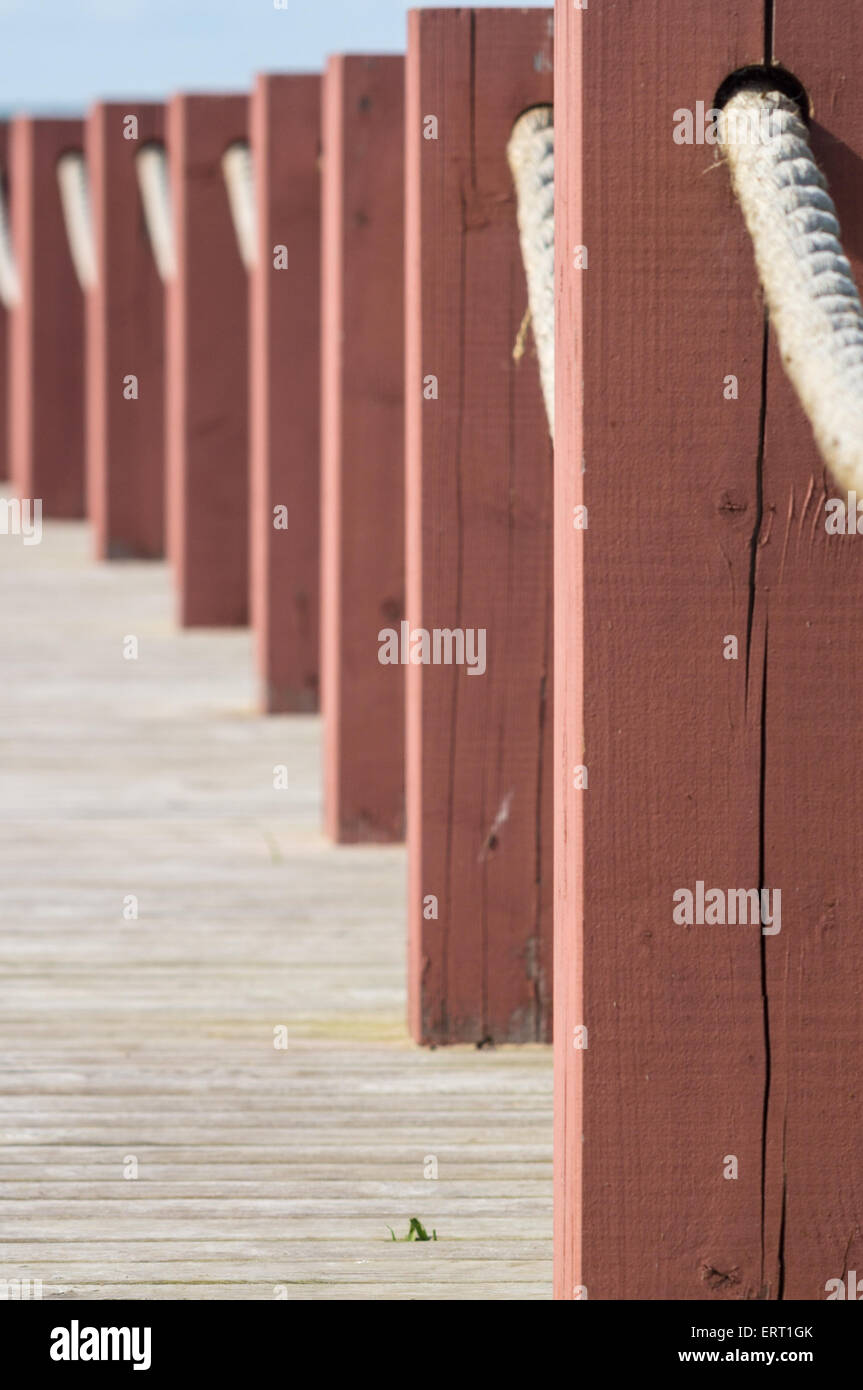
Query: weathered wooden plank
x=406, y=1127
x=809, y=592
x=362, y=404
x=179, y=1169
x=46, y=330
x=313, y=1291
x=256, y=1092
x=202, y=1109
x=651, y=320
x=154, y=778
x=132, y=1199
x=284, y=345
x=125, y=341
x=206, y=381
x=134, y=1223
x=111, y=1254
x=272, y=1270
x=479, y=499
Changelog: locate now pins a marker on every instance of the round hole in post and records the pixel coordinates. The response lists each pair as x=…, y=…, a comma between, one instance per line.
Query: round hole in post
x=154, y=188
x=809, y=288
x=74, y=187
x=530, y=153
x=238, y=171
x=768, y=77
x=10, y=284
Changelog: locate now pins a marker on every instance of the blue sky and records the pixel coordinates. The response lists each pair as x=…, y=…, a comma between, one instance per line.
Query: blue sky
x=59, y=55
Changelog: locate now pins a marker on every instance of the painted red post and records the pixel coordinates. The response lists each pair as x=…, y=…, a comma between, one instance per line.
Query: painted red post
x=807, y=642
x=362, y=438
x=125, y=341
x=284, y=342
x=479, y=515
x=4, y=315
x=46, y=333
x=662, y=1073
x=206, y=378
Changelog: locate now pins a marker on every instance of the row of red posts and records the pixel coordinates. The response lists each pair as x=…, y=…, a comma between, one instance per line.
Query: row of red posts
x=327, y=414
x=331, y=434
x=330, y=437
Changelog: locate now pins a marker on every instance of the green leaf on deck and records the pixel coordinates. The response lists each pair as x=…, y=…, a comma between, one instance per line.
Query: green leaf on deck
x=416, y=1231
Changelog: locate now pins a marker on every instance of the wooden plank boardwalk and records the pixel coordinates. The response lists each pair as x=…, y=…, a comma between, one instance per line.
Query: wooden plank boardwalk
x=262, y=1172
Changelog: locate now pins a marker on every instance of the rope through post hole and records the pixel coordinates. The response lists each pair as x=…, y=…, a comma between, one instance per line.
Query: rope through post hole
x=238, y=170
x=813, y=302
x=75, y=200
x=154, y=186
x=10, y=284
x=531, y=159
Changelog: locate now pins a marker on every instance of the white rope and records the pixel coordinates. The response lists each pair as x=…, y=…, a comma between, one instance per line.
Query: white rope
x=10, y=283
x=239, y=174
x=151, y=167
x=531, y=158
x=75, y=200
x=812, y=299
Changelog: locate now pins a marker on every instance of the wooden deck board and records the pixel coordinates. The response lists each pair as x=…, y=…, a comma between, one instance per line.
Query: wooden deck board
x=259, y=1170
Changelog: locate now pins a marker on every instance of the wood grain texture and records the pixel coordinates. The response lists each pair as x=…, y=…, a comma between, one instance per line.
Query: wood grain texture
x=206, y=380
x=284, y=343
x=479, y=498
x=362, y=439
x=809, y=597
x=260, y=1171
x=46, y=332
x=125, y=436
x=675, y=1073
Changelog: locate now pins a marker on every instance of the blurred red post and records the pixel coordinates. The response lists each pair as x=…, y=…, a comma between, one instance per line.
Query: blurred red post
x=284, y=349
x=125, y=341
x=206, y=376
x=362, y=535
x=46, y=335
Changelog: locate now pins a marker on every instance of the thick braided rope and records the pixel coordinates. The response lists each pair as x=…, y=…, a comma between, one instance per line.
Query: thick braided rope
x=10, y=283
x=75, y=200
x=531, y=158
x=813, y=301
x=154, y=186
x=238, y=171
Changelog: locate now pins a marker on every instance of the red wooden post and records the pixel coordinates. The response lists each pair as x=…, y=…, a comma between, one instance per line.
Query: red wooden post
x=46, y=339
x=206, y=381
x=4, y=316
x=807, y=634
x=479, y=484
x=662, y=1072
x=284, y=332
x=362, y=527
x=125, y=341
